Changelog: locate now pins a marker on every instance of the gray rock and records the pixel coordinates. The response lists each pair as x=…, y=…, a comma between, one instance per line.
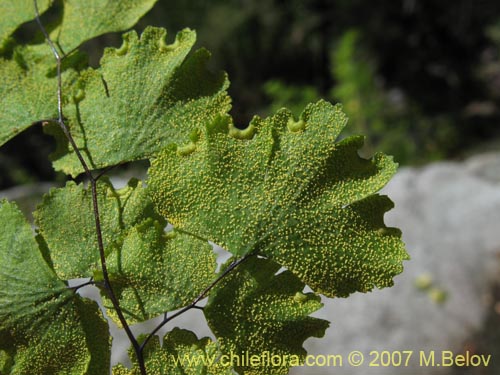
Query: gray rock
x=449, y=214
x=486, y=166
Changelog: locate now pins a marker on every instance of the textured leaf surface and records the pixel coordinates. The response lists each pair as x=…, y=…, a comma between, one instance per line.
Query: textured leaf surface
x=28, y=89
x=181, y=354
x=45, y=328
x=289, y=191
x=253, y=311
x=16, y=12
x=145, y=95
x=155, y=272
x=66, y=220
x=86, y=19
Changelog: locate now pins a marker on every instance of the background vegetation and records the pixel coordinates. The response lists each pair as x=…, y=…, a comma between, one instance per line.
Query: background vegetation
x=420, y=78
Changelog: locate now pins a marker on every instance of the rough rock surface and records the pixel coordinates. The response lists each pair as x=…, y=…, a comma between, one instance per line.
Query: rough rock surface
x=449, y=214
x=450, y=217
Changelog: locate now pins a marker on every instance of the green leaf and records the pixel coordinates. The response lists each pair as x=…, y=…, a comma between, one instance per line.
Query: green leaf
x=6, y=362
x=145, y=95
x=181, y=354
x=173, y=269
x=16, y=12
x=28, y=90
x=286, y=189
x=6, y=354
x=86, y=19
x=66, y=221
x=255, y=313
x=45, y=328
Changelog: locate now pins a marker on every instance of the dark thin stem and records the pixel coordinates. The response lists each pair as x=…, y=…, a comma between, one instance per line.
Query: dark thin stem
x=60, y=118
x=93, y=183
x=202, y=295
x=75, y=288
x=105, y=170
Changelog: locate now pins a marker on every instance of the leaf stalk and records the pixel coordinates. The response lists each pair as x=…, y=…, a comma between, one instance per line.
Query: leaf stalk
x=95, y=204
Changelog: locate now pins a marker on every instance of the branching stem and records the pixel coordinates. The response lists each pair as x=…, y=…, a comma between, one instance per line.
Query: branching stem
x=202, y=295
x=138, y=348
x=93, y=184
x=76, y=287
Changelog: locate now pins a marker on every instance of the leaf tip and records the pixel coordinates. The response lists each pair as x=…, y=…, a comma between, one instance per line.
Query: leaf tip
x=242, y=134
x=187, y=149
x=124, y=48
x=295, y=126
x=300, y=297
x=185, y=35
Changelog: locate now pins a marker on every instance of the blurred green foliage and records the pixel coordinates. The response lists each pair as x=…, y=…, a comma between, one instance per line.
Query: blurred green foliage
x=420, y=78
x=390, y=123
x=369, y=107
x=293, y=97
